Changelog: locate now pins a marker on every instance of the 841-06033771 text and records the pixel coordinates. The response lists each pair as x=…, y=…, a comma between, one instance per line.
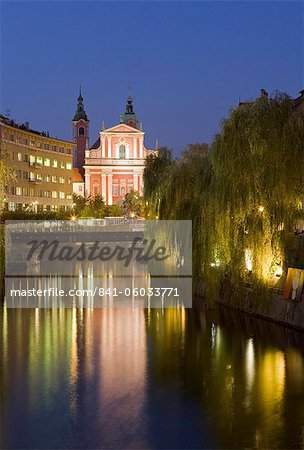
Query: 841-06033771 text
x=99, y=291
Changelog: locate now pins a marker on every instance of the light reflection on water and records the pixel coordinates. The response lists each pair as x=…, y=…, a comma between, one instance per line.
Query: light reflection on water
x=134, y=378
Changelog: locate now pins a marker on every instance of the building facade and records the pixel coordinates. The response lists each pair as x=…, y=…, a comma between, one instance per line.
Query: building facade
x=78, y=182
x=42, y=166
x=114, y=164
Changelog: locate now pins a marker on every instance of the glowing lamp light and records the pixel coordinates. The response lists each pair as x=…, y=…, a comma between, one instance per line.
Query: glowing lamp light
x=216, y=263
x=261, y=209
x=248, y=259
x=73, y=218
x=132, y=215
x=279, y=272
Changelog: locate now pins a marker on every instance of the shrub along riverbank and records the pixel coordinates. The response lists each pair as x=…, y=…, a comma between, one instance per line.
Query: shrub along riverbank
x=244, y=195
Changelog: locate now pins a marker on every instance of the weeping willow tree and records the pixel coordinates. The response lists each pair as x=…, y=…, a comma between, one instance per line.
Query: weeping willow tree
x=176, y=188
x=255, y=197
x=155, y=175
x=243, y=197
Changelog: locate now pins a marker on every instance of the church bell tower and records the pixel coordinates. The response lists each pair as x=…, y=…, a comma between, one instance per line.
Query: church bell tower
x=80, y=134
x=129, y=117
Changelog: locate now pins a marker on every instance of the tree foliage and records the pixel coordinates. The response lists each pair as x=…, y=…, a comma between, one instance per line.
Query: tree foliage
x=7, y=174
x=133, y=204
x=244, y=195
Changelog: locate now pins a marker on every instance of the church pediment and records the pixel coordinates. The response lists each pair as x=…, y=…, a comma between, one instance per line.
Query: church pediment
x=122, y=128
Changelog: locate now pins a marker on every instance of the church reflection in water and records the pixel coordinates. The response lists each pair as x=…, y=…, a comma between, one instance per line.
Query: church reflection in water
x=138, y=378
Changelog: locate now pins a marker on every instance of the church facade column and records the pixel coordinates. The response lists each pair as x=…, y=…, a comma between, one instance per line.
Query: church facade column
x=109, y=147
x=110, y=189
x=103, y=149
x=103, y=186
x=87, y=183
x=135, y=181
x=135, y=147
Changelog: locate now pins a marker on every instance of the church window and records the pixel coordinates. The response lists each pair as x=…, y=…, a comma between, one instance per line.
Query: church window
x=123, y=191
x=122, y=152
x=81, y=130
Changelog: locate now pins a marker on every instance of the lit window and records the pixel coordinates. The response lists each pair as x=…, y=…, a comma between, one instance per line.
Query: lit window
x=61, y=194
x=62, y=165
x=19, y=157
x=32, y=160
x=54, y=179
x=69, y=166
x=69, y=196
x=47, y=178
x=39, y=177
x=54, y=194
x=47, y=162
x=55, y=163
x=39, y=160
x=18, y=190
x=122, y=152
x=61, y=180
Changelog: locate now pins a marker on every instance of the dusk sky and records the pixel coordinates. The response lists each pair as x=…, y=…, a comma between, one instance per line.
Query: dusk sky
x=187, y=62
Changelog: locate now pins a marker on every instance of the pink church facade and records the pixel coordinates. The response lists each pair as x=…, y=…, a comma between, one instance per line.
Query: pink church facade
x=114, y=165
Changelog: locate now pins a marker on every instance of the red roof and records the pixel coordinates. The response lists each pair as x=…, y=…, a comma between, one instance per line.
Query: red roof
x=76, y=176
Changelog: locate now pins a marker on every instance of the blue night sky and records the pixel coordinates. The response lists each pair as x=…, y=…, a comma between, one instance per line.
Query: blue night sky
x=188, y=62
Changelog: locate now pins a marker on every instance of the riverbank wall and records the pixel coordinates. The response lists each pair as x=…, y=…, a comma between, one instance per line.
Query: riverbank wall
x=273, y=307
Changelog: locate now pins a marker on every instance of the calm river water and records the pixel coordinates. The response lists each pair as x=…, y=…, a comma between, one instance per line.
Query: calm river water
x=158, y=379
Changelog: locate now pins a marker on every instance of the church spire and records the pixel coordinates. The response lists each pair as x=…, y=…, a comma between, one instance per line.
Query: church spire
x=80, y=112
x=80, y=99
x=129, y=117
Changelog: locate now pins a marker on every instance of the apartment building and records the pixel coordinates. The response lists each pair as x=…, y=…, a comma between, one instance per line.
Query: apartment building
x=42, y=166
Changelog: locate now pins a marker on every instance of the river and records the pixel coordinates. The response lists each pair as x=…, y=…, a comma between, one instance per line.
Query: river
x=149, y=379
